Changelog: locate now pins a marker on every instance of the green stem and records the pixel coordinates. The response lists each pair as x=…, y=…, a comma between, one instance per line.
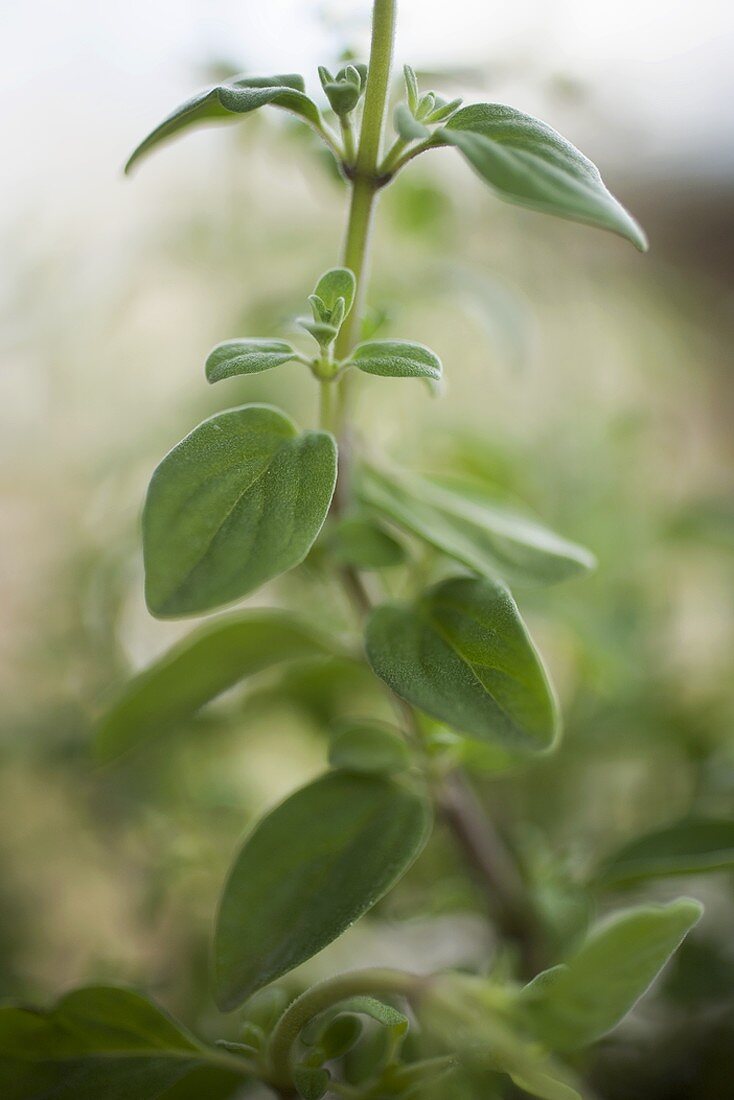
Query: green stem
x=372, y=983
x=327, y=405
x=366, y=182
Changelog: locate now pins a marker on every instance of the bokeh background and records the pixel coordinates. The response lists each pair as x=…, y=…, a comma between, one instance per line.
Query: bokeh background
x=591, y=381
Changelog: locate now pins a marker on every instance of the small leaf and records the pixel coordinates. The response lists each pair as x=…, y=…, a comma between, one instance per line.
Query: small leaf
x=368, y=748
x=238, y=501
x=308, y=871
x=407, y=126
x=462, y=653
x=361, y=542
x=199, y=668
x=411, y=87
x=246, y=357
x=426, y=103
x=689, y=847
x=396, y=359
x=581, y=1002
x=343, y=96
x=528, y=163
x=443, y=111
x=312, y=1082
x=224, y=102
x=101, y=1042
x=337, y=283
x=334, y=1036
x=464, y=522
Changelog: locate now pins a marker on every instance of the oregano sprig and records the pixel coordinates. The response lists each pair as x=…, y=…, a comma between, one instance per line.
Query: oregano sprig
x=249, y=495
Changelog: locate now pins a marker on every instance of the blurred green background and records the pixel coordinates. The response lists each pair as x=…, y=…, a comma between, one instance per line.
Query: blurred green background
x=591, y=382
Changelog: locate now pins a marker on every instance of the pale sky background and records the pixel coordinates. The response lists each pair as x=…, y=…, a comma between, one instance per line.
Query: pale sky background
x=81, y=80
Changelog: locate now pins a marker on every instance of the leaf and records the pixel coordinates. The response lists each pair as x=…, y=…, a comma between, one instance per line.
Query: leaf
x=197, y=669
x=101, y=1041
x=224, y=102
x=579, y=1003
x=238, y=501
x=311, y=1082
x=308, y=871
x=337, y=283
x=235, y=357
x=361, y=542
x=463, y=522
x=396, y=359
x=407, y=126
x=526, y=162
x=689, y=847
x=368, y=748
x=462, y=653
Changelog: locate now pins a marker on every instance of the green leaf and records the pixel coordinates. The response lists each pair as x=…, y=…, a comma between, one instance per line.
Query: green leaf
x=308, y=871
x=224, y=102
x=578, y=1003
x=526, y=162
x=235, y=357
x=407, y=126
x=396, y=359
x=462, y=653
x=311, y=1082
x=238, y=501
x=385, y=1015
x=459, y=519
x=411, y=87
x=100, y=1042
x=368, y=748
x=361, y=542
x=689, y=847
x=337, y=283
x=197, y=669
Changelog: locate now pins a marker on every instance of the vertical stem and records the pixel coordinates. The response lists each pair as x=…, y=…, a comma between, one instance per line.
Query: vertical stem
x=484, y=849
x=327, y=405
x=365, y=183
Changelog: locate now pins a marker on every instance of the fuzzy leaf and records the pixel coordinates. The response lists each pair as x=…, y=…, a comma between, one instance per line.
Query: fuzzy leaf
x=235, y=357
x=526, y=162
x=689, y=847
x=337, y=283
x=102, y=1042
x=308, y=871
x=238, y=501
x=462, y=521
x=407, y=126
x=580, y=1002
x=462, y=653
x=224, y=102
x=368, y=748
x=202, y=666
x=363, y=543
x=396, y=359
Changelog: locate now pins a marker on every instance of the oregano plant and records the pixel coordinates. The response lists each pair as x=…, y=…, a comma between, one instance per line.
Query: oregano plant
x=248, y=495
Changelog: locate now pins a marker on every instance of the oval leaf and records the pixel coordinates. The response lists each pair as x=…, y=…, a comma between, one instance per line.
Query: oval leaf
x=526, y=162
x=688, y=847
x=224, y=102
x=574, y=1005
x=337, y=283
x=368, y=748
x=235, y=357
x=462, y=521
x=308, y=871
x=238, y=501
x=104, y=1042
x=407, y=126
x=199, y=668
x=462, y=654
x=363, y=543
x=396, y=359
